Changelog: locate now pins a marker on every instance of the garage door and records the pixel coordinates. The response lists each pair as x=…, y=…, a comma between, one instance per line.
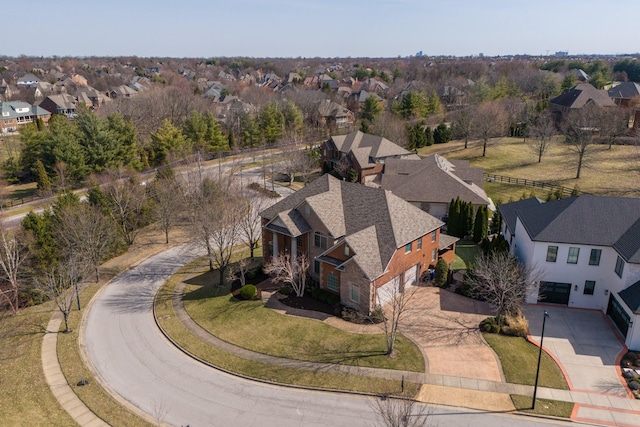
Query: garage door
x=618, y=315
x=410, y=277
x=554, y=292
x=386, y=292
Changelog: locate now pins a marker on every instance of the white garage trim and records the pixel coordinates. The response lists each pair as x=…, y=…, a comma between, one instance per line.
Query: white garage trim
x=386, y=292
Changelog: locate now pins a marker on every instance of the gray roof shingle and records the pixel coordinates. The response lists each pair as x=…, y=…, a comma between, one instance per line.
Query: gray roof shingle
x=366, y=147
x=374, y=222
x=631, y=297
x=580, y=95
x=434, y=179
x=586, y=220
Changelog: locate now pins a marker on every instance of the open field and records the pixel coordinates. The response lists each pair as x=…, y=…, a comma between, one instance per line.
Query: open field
x=614, y=172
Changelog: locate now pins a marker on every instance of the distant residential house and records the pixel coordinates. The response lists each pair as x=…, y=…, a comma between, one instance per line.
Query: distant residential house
x=5, y=91
x=226, y=76
x=362, y=242
x=28, y=80
x=374, y=85
x=452, y=97
x=60, y=104
x=335, y=116
x=587, y=251
x=122, y=91
x=362, y=152
x=576, y=98
x=580, y=74
x=432, y=182
x=91, y=97
x=17, y=113
x=626, y=94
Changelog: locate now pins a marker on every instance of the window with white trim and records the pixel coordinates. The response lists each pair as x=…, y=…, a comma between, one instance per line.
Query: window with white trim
x=419, y=243
x=552, y=253
x=332, y=282
x=434, y=254
x=407, y=248
x=355, y=294
x=574, y=253
x=619, y=266
x=434, y=234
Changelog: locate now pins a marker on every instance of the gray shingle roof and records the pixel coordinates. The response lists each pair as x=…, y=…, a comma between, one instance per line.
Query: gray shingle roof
x=509, y=211
x=446, y=241
x=434, y=179
x=580, y=95
x=366, y=146
x=586, y=220
x=631, y=297
x=626, y=90
x=16, y=109
x=374, y=222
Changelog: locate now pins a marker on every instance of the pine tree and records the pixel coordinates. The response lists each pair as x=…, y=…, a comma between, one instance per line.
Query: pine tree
x=468, y=219
x=42, y=177
x=429, y=136
x=481, y=225
x=451, y=219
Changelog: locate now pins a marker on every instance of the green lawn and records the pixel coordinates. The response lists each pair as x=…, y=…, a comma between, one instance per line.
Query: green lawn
x=466, y=252
x=250, y=325
x=553, y=408
x=519, y=360
x=193, y=345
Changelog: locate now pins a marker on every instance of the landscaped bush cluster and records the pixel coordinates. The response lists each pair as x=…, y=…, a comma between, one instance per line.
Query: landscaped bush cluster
x=352, y=315
x=248, y=292
x=257, y=187
x=509, y=325
x=325, y=296
x=630, y=363
x=285, y=290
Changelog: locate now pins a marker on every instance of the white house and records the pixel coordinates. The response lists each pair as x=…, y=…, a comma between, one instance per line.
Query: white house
x=587, y=249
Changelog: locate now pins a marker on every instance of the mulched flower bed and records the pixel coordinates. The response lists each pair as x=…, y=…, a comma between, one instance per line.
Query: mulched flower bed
x=305, y=302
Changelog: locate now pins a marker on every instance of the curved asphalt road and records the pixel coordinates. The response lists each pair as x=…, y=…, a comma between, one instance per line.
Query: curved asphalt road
x=129, y=353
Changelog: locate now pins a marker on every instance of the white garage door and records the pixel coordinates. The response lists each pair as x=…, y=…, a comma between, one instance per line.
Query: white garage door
x=386, y=292
x=410, y=277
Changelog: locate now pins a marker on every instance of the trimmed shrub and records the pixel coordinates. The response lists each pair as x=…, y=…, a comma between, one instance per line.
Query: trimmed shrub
x=248, y=292
x=285, y=290
x=377, y=315
x=515, y=326
x=442, y=270
x=333, y=299
x=315, y=293
x=490, y=325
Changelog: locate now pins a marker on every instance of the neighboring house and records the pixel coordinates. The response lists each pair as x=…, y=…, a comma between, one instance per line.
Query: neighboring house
x=625, y=94
x=91, y=97
x=16, y=113
x=587, y=250
x=334, y=115
x=122, y=91
x=360, y=241
x=432, y=182
x=60, y=104
x=374, y=86
x=362, y=152
x=5, y=91
x=28, y=80
x=580, y=74
x=576, y=98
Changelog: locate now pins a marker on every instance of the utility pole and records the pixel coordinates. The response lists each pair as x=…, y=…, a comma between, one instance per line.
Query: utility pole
x=535, y=387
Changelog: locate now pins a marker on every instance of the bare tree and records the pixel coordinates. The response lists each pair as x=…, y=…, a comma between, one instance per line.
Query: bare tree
x=581, y=130
x=501, y=280
x=166, y=193
x=542, y=131
x=292, y=272
x=298, y=162
x=58, y=285
x=399, y=412
x=397, y=299
x=225, y=227
x=251, y=222
x=13, y=253
x=127, y=200
x=462, y=125
x=240, y=268
x=488, y=122
x=614, y=123
x=86, y=231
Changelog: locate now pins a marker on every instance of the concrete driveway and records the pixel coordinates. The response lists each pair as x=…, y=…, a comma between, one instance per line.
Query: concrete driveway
x=583, y=342
x=445, y=326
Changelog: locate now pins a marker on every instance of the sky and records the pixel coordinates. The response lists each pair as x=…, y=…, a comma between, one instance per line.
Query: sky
x=328, y=28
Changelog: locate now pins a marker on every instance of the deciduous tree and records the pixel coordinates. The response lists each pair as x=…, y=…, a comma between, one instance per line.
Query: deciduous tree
x=292, y=272
x=488, y=122
x=543, y=130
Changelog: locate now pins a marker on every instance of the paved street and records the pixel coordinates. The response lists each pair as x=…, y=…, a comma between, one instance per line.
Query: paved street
x=130, y=355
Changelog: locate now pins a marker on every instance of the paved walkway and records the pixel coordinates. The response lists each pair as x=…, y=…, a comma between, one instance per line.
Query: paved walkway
x=598, y=408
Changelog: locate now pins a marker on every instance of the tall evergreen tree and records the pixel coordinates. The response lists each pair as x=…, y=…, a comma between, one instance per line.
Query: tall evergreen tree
x=481, y=225
x=468, y=219
x=42, y=177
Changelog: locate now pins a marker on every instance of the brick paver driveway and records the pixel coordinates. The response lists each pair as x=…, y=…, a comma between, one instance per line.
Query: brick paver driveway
x=445, y=325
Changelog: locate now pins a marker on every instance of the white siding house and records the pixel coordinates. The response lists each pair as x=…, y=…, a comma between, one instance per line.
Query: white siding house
x=587, y=250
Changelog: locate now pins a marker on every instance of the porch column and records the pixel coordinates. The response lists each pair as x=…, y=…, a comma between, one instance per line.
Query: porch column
x=294, y=250
x=275, y=245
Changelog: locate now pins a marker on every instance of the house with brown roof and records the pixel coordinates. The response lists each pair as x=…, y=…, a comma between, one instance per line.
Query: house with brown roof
x=362, y=152
x=626, y=94
x=334, y=115
x=432, y=182
x=361, y=241
x=577, y=98
x=60, y=104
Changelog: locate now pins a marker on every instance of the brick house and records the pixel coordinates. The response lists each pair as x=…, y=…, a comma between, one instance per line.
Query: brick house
x=362, y=152
x=360, y=241
x=60, y=104
x=577, y=98
x=17, y=113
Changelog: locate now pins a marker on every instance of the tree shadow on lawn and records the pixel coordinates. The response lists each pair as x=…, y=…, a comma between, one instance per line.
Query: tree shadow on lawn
x=348, y=354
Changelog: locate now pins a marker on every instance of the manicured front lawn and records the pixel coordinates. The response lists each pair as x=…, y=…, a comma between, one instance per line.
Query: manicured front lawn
x=250, y=325
x=172, y=326
x=519, y=360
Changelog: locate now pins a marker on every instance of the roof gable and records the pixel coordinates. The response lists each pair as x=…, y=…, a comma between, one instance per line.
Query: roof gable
x=631, y=297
